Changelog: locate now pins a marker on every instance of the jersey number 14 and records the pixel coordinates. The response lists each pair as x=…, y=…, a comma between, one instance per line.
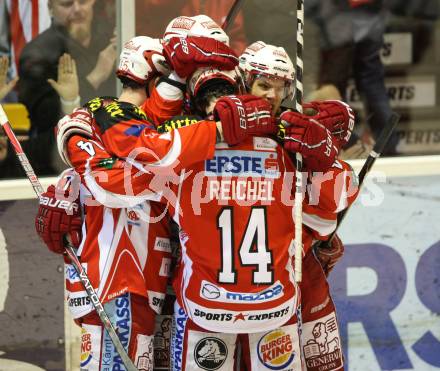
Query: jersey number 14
x=253, y=249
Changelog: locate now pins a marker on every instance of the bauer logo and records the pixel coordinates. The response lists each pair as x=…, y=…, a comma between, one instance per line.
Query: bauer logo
x=210, y=353
x=243, y=164
x=275, y=350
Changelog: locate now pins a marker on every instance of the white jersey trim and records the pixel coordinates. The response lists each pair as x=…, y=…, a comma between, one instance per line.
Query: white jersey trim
x=323, y=226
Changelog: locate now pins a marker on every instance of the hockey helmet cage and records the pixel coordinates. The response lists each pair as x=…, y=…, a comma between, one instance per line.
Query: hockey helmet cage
x=199, y=25
x=138, y=56
x=261, y=59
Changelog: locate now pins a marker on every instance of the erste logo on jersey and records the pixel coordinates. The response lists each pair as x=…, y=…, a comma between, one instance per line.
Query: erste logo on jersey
x=245, y=176
x=275, y=350
x=244, y=163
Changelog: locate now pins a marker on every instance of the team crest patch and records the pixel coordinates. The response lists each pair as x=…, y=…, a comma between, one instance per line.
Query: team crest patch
x=210, y=353
x=276, y=350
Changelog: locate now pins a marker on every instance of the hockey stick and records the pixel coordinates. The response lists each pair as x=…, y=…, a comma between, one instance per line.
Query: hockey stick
x=36, y=185
x=298, y=158
x=369, y=162
x=232, y=14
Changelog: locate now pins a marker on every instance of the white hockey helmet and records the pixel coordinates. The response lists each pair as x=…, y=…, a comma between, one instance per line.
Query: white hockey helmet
x=261, y=59
x=208, y=83
x=205, y=74
x=138, y=56
x=199, y=25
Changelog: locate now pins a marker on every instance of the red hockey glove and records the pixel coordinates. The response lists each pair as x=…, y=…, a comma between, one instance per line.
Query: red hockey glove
x=78, y=122
x=328, y=256
x=244, y=116
x=336, y=116
x=56, y=218
x=186, y=54
x=310, y=138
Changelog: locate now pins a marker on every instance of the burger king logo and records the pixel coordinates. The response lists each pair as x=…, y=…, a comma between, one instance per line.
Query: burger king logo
x=275, y=350
x=86, y=347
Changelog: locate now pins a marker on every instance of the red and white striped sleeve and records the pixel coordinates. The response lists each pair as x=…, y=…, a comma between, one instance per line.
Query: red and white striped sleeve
x=328, y=194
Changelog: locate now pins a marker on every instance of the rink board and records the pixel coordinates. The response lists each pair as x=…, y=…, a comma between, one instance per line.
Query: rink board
x=387, y=286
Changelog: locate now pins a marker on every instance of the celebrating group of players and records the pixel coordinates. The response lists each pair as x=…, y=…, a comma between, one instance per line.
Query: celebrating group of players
x=198, y=138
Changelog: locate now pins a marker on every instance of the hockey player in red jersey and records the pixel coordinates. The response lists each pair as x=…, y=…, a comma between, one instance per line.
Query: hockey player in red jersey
x=269, y=73
x=228, y=193
x=231, y=165
x=234, y=287
x=120, y=241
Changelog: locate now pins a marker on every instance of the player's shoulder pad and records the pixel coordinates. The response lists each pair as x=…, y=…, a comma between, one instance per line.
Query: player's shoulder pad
x=108, y=111
x=177, y=122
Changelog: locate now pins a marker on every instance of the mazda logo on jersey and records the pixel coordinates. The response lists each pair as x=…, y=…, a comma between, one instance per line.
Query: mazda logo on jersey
x=275, y=350
x=243, y=163
x=210, y=353
x=212, y=292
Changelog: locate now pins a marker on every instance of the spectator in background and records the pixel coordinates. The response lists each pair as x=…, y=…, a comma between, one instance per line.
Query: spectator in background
x=20, y=22
x=152, y=17
x=351, y=40
x=74, y=41
x=5, y=86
